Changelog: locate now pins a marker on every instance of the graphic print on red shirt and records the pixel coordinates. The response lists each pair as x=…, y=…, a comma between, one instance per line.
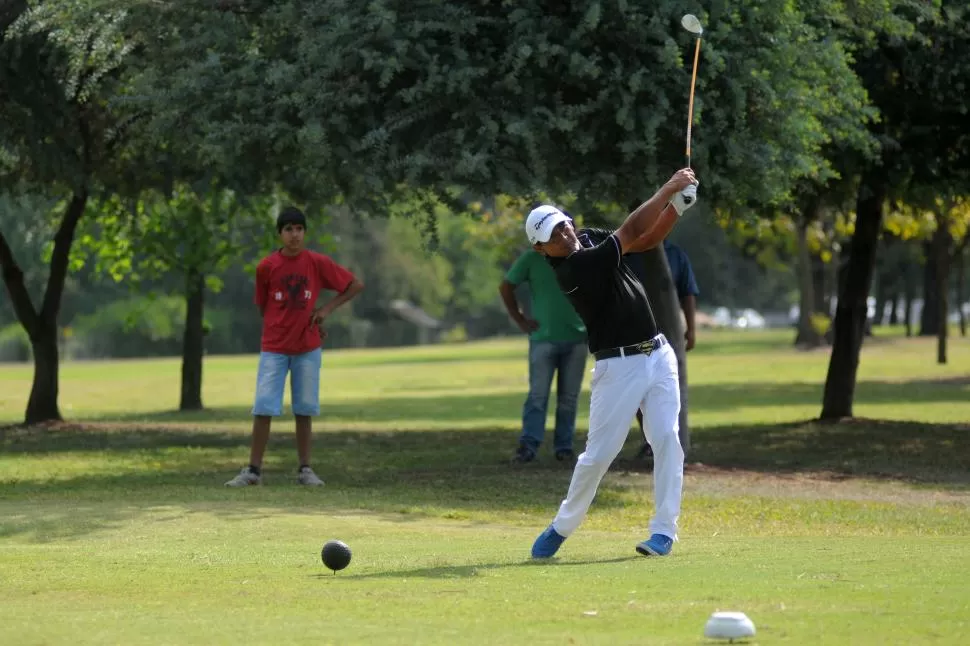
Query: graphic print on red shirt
x=287, y=288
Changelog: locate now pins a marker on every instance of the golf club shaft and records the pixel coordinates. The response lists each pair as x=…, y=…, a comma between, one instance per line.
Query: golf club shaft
x=690, y=104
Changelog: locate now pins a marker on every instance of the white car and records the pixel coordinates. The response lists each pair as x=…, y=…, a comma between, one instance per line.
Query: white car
x=749, y=319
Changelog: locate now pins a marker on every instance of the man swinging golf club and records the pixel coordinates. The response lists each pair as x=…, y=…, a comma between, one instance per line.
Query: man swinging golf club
x=634, y=366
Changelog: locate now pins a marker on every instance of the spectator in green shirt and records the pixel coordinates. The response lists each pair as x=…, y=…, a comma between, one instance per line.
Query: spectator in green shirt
x=557, y=345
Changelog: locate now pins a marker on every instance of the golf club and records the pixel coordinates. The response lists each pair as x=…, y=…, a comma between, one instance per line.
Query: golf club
x=693, y=25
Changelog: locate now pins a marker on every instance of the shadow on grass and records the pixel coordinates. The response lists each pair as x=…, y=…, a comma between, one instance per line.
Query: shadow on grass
x=908, y=451
x=468, y=462
x=469, y=570
x=406, y=476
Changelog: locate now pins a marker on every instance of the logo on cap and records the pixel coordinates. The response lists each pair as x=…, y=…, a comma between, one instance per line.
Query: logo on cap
x=539, y=223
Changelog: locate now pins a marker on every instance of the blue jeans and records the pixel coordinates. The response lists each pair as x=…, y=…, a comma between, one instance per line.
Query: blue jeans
x=304, y=372
x=568, y=359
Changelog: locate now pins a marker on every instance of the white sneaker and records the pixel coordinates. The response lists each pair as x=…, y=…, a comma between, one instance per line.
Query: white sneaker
x=309, y=478
x=245, y=478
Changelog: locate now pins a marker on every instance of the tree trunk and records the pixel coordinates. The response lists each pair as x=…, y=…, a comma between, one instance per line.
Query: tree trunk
x=929, y=320
x=42, y=405
x=41, y=326
x=193, y=342
x=961, y=270
x=941, y=244
x=882, y=298
x=909, y=294
x=909, y=315
x=850, y=313
x=834, y=285
x=807, y=336
x=894, y=305
x=958, y=258
x=820, y=288
x=666, y=309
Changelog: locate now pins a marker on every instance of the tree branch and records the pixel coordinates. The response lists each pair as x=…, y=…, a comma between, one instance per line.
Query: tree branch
x=234, y=6
x=13, y=278
x=62, y=252
x=86, y=71
x=117, y=135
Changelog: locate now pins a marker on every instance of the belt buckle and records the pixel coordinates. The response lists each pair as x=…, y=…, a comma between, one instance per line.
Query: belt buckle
x=647, y=347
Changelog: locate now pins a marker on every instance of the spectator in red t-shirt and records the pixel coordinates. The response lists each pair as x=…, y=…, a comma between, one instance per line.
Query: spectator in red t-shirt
x=288, y=282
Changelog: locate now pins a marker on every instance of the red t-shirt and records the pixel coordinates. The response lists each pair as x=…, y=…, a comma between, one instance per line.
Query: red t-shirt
x=286, y=291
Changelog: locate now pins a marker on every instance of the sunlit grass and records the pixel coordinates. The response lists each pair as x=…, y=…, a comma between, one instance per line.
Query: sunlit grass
x=735, y=377
x=118, y=530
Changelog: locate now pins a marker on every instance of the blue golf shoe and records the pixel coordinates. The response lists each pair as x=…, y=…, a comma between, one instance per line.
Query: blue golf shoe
x=547, y=544
x=656, y=545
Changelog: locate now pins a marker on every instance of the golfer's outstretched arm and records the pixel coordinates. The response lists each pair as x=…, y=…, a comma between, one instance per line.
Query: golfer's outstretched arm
x=661, y=229
x=646, y=217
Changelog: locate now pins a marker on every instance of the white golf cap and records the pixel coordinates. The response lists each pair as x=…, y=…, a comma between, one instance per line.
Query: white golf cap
x=541, y=221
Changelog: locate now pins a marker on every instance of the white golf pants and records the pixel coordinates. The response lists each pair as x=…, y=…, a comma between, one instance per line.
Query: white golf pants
x=620, y=386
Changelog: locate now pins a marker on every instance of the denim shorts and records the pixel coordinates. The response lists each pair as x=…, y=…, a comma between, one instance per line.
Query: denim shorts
x=304, y=372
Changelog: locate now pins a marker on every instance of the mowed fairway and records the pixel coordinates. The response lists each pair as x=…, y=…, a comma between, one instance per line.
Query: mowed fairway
x=115, y=528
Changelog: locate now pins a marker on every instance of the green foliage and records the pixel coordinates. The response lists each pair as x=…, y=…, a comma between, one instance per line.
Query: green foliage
x=412, y=271
x=26, y=222
x=425, y=258
x=735, y=275
x=895, y=48
x=59, y=66
x=14, y=343
x=187, y=118
x=820, y=323
x=138, y=326
x=186, y=232
x=456, y=334
x=340, y=98
x=925, y=147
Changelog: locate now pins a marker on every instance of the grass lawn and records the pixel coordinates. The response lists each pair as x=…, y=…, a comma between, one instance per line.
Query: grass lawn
x=115, y=527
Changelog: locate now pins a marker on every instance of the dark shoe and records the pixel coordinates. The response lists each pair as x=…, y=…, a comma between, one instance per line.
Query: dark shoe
x=524, y=454
x=547, y=544
x=565, y=455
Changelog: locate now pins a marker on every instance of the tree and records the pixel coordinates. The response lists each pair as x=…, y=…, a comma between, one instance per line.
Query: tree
x=358, y=100
x=952, y=220
x=57, y=135
x=498, y=98
x=195, y=235
x=947, y=215
x=806, y=235
x=923, y=144
x=28, y=232
x=522, y=98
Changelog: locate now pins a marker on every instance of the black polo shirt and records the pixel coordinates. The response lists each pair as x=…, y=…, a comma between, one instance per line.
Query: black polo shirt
x=604, y=292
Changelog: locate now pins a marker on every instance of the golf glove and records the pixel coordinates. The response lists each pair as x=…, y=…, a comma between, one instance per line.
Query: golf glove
x=685, y=199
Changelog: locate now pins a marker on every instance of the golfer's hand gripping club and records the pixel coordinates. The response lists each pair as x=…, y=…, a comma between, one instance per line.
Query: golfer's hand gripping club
x=687, y=196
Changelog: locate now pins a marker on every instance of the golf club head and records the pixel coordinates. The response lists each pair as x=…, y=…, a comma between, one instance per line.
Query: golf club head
x=692, y=24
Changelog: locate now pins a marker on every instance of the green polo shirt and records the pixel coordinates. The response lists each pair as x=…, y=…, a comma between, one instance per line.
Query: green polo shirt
x=558, y=321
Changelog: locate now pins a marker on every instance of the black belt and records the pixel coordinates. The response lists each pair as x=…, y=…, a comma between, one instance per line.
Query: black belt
x=647, y=347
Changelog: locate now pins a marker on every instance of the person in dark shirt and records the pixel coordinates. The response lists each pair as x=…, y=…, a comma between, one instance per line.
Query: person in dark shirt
x=687, y=292
x=683, y=276
x=635, y=367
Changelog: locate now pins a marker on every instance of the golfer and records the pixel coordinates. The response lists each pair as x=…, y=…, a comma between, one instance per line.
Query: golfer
x=635, y=367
